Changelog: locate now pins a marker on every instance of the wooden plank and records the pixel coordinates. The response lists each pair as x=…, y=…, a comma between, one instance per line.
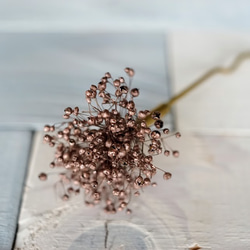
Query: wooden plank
x=206, y=192
x=42, y=74
x=14, y=153
x=107, y=15
x=221, y=104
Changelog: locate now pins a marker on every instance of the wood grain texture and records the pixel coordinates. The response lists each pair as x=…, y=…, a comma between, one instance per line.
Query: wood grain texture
x=14, y=152
x=220, y=105
x=42, y=74
x=110, y=15
x=205, y=202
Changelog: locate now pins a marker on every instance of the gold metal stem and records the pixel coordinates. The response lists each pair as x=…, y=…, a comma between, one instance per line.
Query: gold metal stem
x=164, y=108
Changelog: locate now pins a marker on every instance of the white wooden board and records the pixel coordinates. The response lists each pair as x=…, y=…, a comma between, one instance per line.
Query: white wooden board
x=14, y=154
x=42, y=74
x=221, y=104
x=129, y=15
x=205, y=203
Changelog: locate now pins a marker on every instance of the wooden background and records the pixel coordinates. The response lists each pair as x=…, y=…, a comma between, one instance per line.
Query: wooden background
x=51, y=52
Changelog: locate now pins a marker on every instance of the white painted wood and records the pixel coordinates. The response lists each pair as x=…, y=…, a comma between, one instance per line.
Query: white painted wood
x=14, y=153
x=209, y=181
x=110, y=15
x=205, y=203
x=42, y=74
x=221, y=105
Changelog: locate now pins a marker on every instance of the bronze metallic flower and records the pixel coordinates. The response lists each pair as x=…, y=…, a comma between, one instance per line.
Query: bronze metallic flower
x=107, y=152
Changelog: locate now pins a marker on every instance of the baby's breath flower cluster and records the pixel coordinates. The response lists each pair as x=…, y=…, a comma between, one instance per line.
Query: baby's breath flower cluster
x=107, y=152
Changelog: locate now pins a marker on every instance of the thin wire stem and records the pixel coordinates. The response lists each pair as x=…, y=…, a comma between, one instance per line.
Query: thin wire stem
x=164, y=108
